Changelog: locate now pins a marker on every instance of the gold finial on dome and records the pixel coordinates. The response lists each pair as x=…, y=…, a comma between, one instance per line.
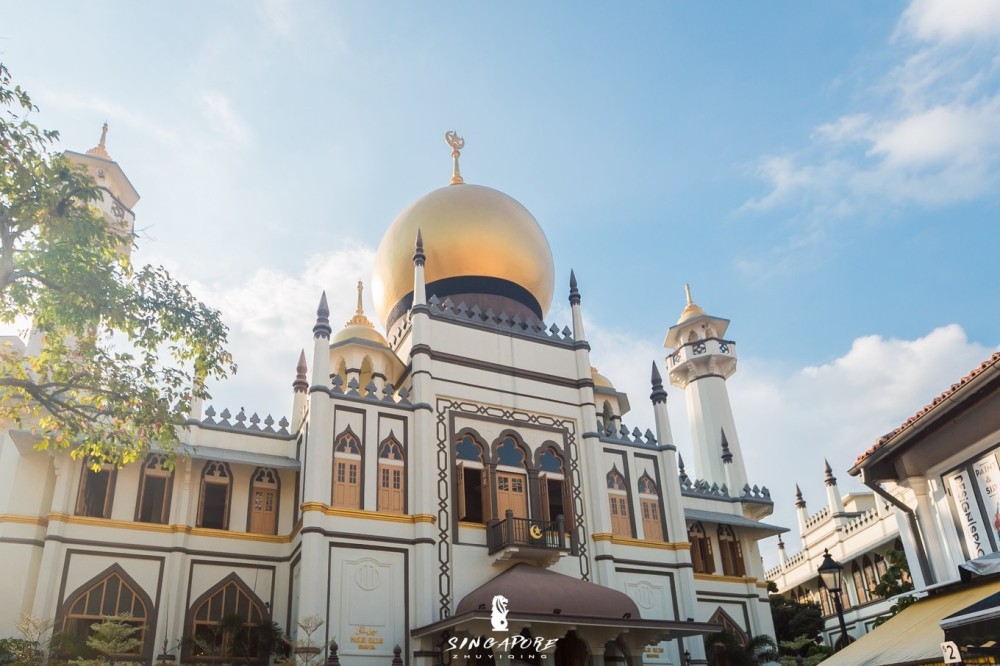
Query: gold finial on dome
x=691, y=309
x=99, y=149
x=359, y=318
x=457, y=143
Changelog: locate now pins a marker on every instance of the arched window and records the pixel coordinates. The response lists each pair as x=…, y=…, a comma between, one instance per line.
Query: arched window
x=472, y=480
x=97, y=490
x=621, y=524
x=229, y=623
x=552, y=486
x=347, y=471
x=859, y=583
x=113, y=592
x=391, y=476
x=729, y=624
x=511, y=479
x=702, y=556
x=824, y=599
x=607, y=415
x=216, y=489
x=732, y=552
x=365, y=375
x=870, y=578
x=153, y=503
x=650, y=505
x=264, y=489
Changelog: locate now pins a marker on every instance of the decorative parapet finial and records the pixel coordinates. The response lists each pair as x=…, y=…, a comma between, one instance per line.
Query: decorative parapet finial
x=781, y=544
x=359, y=318
x=574, y=293
x=418, y=254
x=301, y=383
x=799, y=502
x=101, y=149
x=830, y=479
x=680, y=468
x=659, y=394
x=727, y=455
x=457, y=143
x=322, y=328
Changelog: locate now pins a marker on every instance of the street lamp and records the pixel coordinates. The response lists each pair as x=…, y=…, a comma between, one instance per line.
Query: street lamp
x=830, y=572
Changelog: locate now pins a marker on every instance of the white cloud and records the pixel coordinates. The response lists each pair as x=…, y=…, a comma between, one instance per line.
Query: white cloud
x=927, y=134
x=951, y=20
x=111, y=111
x=218, y=109
x=271, y=316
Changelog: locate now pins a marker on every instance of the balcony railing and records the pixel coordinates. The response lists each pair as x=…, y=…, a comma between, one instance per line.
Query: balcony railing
x=526, y=532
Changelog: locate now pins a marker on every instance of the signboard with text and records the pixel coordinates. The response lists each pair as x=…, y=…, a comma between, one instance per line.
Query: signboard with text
x=977, y=541
x=987, y=473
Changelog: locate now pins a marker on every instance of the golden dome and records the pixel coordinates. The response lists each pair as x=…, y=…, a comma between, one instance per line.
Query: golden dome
x=599, y=379
x=359, y=327
x=478, y=241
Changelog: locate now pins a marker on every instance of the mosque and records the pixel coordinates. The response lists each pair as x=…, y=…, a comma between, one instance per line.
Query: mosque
x=462, y=487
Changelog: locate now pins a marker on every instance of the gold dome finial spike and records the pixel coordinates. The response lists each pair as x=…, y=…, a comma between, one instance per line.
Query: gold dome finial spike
x=359, y=318
x=687, y=291
x=457, y=143
x=691, y=309
x=100, y=150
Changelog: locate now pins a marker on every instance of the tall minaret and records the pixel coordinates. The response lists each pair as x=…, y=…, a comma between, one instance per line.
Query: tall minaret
x=701, y=363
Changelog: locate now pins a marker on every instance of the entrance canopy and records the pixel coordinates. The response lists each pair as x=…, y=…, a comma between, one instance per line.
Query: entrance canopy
x=915, y=635
x=552, y=604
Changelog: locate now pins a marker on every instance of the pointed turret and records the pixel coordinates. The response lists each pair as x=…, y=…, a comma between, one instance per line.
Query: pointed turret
x=727, y=455
x=833, y=499
x=301, y=384
x=800, y=510
x=574, y=304
x=659, y=394
x=782, y=556
x=419, y=258
x=322, y=328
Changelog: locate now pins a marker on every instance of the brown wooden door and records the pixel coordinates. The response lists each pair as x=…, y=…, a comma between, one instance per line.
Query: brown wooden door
x=346, y=484
x=512, y=494
x=390, y=488
x=263, y=513
x=652, y=528
x=620, y=524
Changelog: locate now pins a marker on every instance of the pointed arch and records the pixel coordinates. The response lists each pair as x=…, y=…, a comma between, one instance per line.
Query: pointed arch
x=553, y=484
x=156, y=480
x=216, y=493
x=702, y=557
x=619, y=503
x=510, y=486
x=391, y=476
x=651, y=509
x=348, y=470
x=720, y=616
x=365, y=374
x=111, y=592
x=209, y=623
x=265, y=494
x=732, y=552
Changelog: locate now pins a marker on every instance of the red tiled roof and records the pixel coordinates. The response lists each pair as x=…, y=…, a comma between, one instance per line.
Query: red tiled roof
x=888, y=437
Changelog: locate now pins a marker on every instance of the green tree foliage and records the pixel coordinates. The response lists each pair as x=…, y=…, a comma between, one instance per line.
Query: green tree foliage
x=125, y=349
x=232, y=639
x=725, y=649
x=895, y=581
x=792, y=619
x=116, y=640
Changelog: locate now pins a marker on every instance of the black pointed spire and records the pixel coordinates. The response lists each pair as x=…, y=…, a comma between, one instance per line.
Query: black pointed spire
x=322, y=328
x=301, y=384
x=680, y=468
x=418, y=254
x=799, y=502
x=830, y=479
x=574, y=293
x=727, y=455
x=658, y=395
x=781, y=544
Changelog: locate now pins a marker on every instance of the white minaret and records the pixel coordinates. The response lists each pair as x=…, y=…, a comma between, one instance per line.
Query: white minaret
x=700, y=364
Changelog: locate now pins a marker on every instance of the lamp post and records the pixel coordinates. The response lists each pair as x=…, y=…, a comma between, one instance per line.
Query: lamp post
x=830, y=572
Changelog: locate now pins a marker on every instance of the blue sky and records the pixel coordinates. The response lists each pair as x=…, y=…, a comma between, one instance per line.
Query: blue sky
x=826, y=175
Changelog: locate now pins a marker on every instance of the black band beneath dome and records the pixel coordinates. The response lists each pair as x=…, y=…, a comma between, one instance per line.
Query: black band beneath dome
x=467, y=285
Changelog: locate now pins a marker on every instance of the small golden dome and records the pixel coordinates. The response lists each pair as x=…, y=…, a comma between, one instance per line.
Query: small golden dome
x=477, y=240
x=691, y=310
x=359, y=327
x=599, y=379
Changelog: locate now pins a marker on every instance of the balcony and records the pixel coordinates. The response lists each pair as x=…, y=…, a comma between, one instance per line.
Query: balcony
x=540, y=542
